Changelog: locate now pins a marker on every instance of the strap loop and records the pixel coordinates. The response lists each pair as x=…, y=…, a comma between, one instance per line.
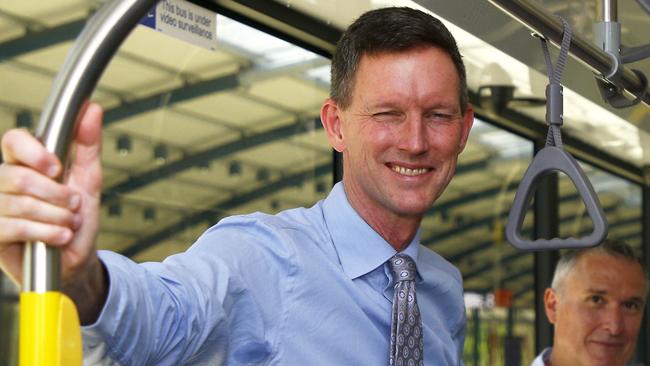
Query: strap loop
x=554, y=94
x=553, y=158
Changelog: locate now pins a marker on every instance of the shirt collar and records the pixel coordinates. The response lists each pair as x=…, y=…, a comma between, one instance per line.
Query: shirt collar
x=359, y=247
x=546, y=355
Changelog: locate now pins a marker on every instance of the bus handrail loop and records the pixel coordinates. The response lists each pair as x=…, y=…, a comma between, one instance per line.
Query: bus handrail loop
x=552, y=158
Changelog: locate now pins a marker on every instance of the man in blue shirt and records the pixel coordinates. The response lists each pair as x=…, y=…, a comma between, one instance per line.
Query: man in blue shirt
x=308, y=286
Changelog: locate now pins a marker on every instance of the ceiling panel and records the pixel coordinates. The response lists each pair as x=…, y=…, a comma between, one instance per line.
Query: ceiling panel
x=234, y=108
x=166, y=125
x=290, y=93
x=48, y=13
x=23, y=89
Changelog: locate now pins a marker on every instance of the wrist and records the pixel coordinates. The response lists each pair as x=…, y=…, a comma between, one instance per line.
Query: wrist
x=88, y=290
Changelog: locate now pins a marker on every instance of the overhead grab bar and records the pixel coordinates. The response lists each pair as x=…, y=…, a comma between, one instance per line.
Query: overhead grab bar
x=553, y=158
x=607, y=35
x=540, y=21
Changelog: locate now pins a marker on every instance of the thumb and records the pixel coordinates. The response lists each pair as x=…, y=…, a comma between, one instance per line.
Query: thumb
x=85, y=171
x=85, y=177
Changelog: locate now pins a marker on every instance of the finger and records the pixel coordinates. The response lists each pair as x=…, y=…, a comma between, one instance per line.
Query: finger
x=29, y=208
x=89, y=129
x=20, y=230
x=20, y=180
x=85, y=172
x=19, y=147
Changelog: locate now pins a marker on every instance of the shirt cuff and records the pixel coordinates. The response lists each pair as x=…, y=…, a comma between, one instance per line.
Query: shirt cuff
x=97, y=337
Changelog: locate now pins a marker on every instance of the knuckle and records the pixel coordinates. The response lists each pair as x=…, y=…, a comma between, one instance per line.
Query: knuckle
x=6, y=229
x=29, y=208
x=44, y=160
x=19, y=231
x=54, y=236
x=20, y=181
x=23, y=206
x=8, y=204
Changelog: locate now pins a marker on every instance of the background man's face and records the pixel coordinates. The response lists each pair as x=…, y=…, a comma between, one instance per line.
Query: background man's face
x=597, y=311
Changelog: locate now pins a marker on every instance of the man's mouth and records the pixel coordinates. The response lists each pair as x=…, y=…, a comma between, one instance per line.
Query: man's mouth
x=409, y=171
x=609, y=343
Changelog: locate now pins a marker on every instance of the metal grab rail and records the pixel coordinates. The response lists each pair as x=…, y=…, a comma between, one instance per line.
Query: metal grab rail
x=49, y=324
x=72, y=87
x=540, y=21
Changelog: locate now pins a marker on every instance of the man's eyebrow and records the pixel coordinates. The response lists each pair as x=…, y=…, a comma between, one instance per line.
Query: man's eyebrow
x=638, y=299
x=597, y=291
x=379, y=105
x=450, y=108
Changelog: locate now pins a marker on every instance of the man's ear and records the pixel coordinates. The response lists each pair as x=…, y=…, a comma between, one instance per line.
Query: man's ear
x=330, y=116
x=467, y=121
x=550, y=305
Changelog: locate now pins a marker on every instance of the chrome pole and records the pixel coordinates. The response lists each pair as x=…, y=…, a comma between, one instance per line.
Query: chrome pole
x=72, y=87
x=607, y=10
x=540, y=21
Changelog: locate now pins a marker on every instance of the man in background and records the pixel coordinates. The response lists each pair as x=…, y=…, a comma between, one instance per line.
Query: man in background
x=595, y=303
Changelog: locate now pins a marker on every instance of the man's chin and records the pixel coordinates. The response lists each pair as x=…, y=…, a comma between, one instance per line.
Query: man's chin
x=607, y=361
x=606, y=355
x=413, y=208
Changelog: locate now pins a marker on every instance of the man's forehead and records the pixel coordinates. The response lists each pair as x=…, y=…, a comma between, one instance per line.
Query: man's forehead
x=604, y=273
x=595, y=259
x=370, y=63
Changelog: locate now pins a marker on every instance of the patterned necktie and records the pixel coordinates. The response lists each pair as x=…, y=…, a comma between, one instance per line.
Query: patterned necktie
x=406, y=342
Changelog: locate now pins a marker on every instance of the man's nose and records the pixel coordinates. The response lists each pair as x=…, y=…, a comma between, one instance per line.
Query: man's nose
x=413, y=136
x=614, y=320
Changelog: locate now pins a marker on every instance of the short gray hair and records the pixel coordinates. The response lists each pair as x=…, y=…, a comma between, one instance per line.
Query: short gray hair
x=613, y=247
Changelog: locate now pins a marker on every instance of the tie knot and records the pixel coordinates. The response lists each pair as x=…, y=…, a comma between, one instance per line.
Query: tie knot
x=403, y=268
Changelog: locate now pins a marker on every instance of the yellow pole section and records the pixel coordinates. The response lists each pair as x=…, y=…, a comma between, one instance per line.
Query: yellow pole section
x=50, y=334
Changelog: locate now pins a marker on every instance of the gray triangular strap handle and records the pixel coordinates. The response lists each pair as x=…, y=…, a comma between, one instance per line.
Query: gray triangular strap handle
x=547, y=160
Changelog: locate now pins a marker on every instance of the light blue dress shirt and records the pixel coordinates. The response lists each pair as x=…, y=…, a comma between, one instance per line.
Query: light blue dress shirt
x=308, y=286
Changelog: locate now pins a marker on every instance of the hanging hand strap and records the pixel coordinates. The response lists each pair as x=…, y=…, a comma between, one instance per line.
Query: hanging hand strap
x=553, y=158
x=554, y=100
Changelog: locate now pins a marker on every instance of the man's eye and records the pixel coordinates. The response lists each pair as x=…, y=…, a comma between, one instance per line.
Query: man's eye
x=631, y=305
x=388, y=116
x=440, y=116
x=597, y=299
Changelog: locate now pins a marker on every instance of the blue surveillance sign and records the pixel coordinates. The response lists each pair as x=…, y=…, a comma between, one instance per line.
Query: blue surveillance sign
x=149, y=20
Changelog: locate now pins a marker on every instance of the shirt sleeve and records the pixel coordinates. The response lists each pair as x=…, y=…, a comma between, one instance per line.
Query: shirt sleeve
x=221, y=300
x=459, y=337
x=461, y=329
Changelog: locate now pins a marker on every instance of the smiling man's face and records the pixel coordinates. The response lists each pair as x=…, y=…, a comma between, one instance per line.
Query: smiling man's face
x=402, y=133
x=597, y=311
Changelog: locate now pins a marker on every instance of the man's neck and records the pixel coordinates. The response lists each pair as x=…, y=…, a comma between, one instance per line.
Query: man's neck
x=398, y=233
x=559, y=358
x=397, y=230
